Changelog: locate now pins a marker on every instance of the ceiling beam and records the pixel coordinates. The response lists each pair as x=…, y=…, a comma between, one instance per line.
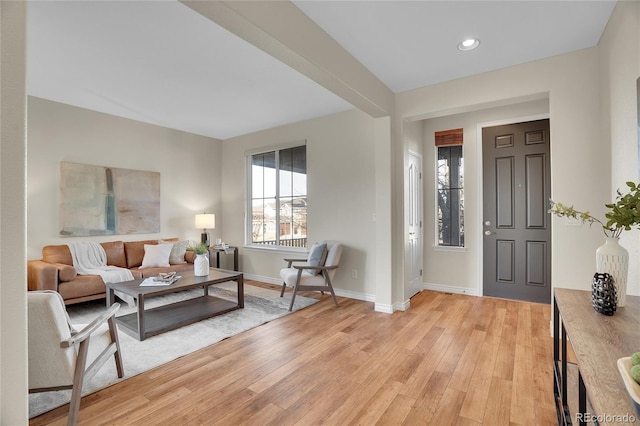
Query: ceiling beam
x=283, y=31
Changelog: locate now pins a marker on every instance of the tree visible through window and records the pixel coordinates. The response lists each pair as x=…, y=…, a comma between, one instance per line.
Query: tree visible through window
x=450, y=175
x=279, y=197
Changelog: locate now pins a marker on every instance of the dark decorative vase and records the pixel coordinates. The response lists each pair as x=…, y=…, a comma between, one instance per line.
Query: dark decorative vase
x=603, y=294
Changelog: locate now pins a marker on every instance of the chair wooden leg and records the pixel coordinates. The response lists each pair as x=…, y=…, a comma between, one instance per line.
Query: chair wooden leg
x=295, y=289
x=333, y=294
x=113, y=333
x=293, y=297
x=74, y=406
x=78, y=378
x=284, y=285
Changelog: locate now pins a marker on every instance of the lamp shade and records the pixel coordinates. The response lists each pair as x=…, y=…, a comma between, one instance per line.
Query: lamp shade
x=206, y=221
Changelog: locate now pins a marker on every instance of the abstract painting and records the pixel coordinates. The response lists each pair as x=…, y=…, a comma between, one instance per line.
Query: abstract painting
x=98, y=200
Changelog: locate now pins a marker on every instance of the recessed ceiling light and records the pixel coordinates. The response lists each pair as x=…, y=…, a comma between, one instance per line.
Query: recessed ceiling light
x=468, y=44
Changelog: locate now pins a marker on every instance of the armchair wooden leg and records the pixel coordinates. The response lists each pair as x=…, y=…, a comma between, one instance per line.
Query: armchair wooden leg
x=113, y=333
x=74, y=406
x=293, y=297
x=295, y=289
x=333, y=294
x=78, y=379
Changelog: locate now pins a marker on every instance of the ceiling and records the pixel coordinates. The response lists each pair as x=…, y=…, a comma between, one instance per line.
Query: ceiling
x=161, y=62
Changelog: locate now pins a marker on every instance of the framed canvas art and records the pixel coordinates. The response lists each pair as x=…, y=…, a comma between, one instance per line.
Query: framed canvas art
x=98, y=200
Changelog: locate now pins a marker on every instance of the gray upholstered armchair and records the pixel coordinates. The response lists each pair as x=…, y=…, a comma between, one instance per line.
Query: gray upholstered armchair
x=58, y=355
x=317, y=272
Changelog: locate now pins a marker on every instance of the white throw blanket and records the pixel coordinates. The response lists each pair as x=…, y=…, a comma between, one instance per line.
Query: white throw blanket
x=89, y=258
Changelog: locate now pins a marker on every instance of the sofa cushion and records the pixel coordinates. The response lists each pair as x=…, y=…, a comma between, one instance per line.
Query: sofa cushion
x=115, y=253
x=57, y=254
x=134, y=250
x=61, y=254
x=171, y=240
x=82, y=286
x=156, y=256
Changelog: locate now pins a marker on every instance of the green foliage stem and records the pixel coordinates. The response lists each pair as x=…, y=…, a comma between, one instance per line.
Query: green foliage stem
x=623, y=214
x=200, y=248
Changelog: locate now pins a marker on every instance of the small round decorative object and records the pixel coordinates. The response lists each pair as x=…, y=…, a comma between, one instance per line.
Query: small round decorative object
x=603, y=294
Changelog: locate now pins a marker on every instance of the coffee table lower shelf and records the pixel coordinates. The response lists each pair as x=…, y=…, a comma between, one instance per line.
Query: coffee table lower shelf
x=169, y=317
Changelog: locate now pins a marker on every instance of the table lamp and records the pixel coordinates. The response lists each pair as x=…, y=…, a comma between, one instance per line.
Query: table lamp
x=205, y=221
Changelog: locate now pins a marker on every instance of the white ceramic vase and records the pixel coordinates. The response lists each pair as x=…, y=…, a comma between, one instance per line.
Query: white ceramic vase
x=201, y=265
x=613, y=259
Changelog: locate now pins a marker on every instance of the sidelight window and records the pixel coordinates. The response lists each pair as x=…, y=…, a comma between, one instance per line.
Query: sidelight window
x=278, y=198
x=450, y=189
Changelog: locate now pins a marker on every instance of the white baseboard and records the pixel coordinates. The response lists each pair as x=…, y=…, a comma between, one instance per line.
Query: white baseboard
x=355, y=295
x=342, y=293
x=263, y=279
x=385, y=309
x=451, y=289
x=389, y=309
x=402, y=306
x=379, y=307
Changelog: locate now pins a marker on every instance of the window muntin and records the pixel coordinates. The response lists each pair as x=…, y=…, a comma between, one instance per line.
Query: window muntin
x=279, y=198
x=450, y=194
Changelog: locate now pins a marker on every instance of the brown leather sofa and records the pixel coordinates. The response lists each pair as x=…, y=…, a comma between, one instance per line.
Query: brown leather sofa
x=55, y=270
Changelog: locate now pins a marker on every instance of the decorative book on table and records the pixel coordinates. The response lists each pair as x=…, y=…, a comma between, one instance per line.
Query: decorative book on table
x=162, y=279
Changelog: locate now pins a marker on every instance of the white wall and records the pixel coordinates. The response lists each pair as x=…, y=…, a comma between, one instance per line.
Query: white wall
x=341, y=195
x=189, y=167
x=460, y=268
x=414, y=138
x=580, y=166
x=620, y=68
x=13, y=306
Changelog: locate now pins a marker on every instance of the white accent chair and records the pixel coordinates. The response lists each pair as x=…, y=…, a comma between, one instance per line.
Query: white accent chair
x=302, y=277
x=58, y=355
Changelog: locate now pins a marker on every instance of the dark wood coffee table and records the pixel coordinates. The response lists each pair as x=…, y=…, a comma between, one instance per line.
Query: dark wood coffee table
x=149, y=322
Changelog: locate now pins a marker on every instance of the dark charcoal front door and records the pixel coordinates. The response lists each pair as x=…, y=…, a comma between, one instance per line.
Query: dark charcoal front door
x=516, y=225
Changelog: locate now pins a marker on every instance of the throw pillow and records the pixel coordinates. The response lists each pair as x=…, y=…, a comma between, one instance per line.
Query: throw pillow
x=156, y=255
x=317, y=256
x=177, y=251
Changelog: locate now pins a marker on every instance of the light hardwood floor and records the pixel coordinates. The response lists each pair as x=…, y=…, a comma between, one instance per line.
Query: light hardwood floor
x=448, y=360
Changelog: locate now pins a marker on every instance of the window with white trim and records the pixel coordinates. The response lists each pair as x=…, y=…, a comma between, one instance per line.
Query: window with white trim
x=450, y=191
x=278, y=198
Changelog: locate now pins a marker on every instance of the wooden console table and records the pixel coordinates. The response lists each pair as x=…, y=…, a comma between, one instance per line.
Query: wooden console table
x=597, y=341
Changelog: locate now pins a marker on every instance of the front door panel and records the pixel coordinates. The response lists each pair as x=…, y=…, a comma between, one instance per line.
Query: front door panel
x=517, y=233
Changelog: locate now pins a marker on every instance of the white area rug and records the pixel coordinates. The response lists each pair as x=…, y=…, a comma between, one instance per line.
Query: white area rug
x=260, y=306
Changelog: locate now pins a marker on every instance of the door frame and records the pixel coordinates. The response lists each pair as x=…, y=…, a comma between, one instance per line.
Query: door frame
x=479, y=180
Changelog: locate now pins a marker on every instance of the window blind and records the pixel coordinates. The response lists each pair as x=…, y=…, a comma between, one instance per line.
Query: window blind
x=449, y=137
